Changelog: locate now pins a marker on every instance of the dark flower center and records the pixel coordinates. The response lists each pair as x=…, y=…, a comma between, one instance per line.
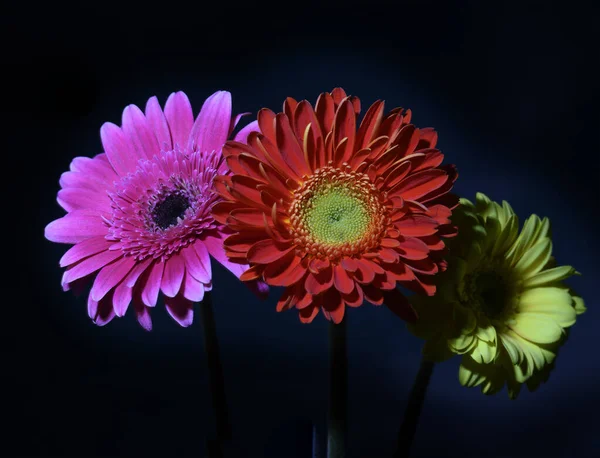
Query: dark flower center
x=167, y=212
x=494, y=292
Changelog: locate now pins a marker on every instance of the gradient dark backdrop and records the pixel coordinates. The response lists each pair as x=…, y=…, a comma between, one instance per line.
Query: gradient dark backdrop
x=513, y=93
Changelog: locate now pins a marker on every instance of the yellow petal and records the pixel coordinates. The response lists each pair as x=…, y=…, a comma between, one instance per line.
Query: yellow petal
x=466, y=203
x=514, y=350
x=543, y=230
x=481, y=202
x=487, y=333
x=508, y=209
x=536, y=327
x=550, y=302
x=469, y=378
x=548, y=276
x=506, y=237
x=461, y=343
x=579, y=305
x=535, y=258
x=533, y=352
x=483, y=352
x=524, y=239
x=493, y=229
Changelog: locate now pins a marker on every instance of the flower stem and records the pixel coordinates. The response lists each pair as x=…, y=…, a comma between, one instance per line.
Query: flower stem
x=216, y=381
x=338, y=391
x=413, y=410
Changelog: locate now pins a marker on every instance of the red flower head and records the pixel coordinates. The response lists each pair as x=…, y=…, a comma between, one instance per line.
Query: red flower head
x=337, y=214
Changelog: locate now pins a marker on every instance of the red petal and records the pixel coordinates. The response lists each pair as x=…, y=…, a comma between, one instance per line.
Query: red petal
x=287, y=271
x=308, y=314
x=344, y=126
x=325, y=111
x=253, y=273
x=333, y=306
x=388, y=255
x=369, y=124
x=315, y=265
x=428, y=138
x=364, y=273
x=424, y=266
x=413, y=248
x=407, y=140
x=420, y=184
x=390, y=243
x=400, y=272
x=373, y=295
x=249, y=216
x=396, y=174
x=343, y=283
x=350, y=264
x=242, y=241
x=317, y=283
x=288, y=145
x=355, y=298
x=289, y=108
x=267, y=251
x=416, y=225
x=426, y=159
x=266, y=122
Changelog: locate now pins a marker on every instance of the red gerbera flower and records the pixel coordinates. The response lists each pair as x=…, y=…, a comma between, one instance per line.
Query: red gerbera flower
x=337, y=214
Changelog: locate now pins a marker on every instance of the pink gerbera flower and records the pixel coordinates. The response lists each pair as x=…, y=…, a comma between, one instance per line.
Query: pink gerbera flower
x=140, y=213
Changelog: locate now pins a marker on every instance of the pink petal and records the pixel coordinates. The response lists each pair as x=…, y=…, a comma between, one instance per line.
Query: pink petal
x=214, y=244
x=192, y=289
x=197, y=262
x=90, y=265
x=180, y=309
x=180, y=118
x=235, y=121
x=110, y=276
x=84, y=199
x=120, y=155
x=97, y=169
x=211, y=128
x=137, y=271
x=242, y=135
x=101, y=312
x=258, y=287
x=152, y=286
x=143, y=316
x=75, y=227
x=139, y=133
x=122, y=298
x=173, y=275
x=84, y=249
x=158, y=123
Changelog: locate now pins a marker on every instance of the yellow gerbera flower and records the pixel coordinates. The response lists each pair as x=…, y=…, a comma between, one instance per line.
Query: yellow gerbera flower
x=501, y=303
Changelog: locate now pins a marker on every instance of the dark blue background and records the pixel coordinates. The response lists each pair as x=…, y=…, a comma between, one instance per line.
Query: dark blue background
x=513, y=92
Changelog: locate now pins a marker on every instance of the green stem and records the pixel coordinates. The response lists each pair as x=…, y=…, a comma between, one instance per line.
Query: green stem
x=216, y=380
x=338, y=391
x=408, y=428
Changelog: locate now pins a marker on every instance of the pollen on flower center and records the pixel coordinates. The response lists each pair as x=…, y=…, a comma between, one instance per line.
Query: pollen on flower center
x=167, y=212
x=336, y=213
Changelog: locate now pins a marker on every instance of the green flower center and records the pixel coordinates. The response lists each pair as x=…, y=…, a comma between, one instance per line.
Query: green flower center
x=337, y=212
x=336, y=217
